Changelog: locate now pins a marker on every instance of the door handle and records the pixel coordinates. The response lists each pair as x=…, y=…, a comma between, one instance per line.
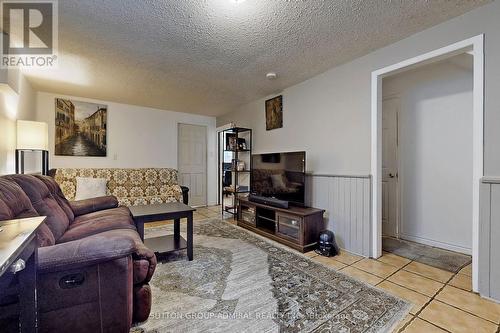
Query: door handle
x=391, y=175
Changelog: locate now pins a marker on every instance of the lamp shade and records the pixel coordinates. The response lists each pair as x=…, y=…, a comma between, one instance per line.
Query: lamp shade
x=32, y=135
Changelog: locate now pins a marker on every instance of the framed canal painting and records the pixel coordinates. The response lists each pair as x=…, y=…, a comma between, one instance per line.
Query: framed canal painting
x=274, y=113
x=80, y=128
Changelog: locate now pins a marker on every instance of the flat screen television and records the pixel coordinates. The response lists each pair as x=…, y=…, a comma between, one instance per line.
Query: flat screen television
x=279, y=175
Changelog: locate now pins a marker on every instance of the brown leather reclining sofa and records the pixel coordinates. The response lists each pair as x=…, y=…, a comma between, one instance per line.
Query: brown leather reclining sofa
x=93, y=268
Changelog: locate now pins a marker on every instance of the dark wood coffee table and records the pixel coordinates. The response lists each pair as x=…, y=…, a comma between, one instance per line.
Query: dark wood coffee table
x=166, y=211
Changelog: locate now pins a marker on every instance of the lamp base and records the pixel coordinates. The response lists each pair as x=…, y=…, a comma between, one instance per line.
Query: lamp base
x=20, y=161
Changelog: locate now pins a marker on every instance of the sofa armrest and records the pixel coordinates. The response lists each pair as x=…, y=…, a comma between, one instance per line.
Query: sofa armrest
x=81, y=207
x=185, y=194
x=93, y=250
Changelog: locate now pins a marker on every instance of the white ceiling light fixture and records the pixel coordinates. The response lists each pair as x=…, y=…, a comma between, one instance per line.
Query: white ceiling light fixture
x=237, y=1
x=271, y=76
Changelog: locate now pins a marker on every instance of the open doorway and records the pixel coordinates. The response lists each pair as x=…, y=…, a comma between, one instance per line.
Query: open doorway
x=427, y=163
x=381, y=174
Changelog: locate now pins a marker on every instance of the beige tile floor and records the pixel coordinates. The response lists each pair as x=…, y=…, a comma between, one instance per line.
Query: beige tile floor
x=442, y=301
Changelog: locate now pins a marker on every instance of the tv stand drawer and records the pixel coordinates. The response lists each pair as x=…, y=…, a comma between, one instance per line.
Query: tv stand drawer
x=247, y=214
x=289, y=226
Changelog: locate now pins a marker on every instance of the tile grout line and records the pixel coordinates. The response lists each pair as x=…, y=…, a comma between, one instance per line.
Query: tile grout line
x=386, y=279
x=431, y=323
x=426, y=304
x=381, y=277
x=432, y=298
x=453, y=306
x=437, y=300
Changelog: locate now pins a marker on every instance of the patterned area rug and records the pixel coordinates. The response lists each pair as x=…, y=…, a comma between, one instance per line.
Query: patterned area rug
x=241, y=282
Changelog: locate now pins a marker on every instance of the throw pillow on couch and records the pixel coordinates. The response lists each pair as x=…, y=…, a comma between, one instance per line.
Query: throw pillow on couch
x=88, y=188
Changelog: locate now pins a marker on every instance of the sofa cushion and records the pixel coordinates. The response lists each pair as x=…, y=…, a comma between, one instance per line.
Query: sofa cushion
x=43, y=202
x=15, y=204
x=56, y=192
x=146, y=200
x=97, y=222
x=128, y=185
x=142, y=303
x=87, y=206
x=5, y=211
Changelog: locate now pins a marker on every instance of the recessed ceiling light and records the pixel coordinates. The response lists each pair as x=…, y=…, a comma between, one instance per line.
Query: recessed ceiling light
x=271, y=75
x=238, y=1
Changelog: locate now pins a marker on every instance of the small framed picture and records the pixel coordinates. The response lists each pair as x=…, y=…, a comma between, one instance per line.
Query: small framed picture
x=231, y=142
x=274, y=113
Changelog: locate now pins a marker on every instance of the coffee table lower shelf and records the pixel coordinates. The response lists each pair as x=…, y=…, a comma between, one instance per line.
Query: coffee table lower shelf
x=166, y=244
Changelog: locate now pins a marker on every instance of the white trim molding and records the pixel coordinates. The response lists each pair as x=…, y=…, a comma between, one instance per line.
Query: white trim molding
x=439, y=244
x=476, y=46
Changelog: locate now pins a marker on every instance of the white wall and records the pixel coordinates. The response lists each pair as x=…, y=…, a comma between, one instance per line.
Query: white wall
x=321, y=116
x=435, y=152
x=17, y=101
x=329, y=114
x=137, y=137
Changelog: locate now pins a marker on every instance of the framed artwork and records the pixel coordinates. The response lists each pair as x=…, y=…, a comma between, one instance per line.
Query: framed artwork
x=274, y=113
x=231, y=142
x=81, y=128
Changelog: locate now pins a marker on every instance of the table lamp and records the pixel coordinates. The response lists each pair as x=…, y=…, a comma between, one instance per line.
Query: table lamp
x=32, y=136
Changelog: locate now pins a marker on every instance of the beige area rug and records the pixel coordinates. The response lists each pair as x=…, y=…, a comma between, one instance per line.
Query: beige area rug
x=241, y=282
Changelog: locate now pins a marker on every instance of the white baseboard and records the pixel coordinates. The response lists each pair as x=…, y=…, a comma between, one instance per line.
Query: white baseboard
x=441, y=245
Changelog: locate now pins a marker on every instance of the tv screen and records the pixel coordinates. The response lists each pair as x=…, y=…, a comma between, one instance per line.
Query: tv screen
x=279, y=175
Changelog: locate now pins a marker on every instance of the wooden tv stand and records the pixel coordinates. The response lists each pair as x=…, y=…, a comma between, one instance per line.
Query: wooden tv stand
x=297, y=227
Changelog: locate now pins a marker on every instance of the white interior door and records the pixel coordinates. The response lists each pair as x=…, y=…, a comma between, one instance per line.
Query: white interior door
x=192, y=162
x=390, y=175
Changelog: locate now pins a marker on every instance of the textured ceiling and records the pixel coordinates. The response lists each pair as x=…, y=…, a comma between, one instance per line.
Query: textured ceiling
x=210, y=56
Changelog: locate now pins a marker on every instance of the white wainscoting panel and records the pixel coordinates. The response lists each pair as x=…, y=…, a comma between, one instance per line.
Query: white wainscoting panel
x=346, y=200
x=489, y=234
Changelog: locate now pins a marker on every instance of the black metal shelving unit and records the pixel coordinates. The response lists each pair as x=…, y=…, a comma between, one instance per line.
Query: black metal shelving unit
x=240, y=179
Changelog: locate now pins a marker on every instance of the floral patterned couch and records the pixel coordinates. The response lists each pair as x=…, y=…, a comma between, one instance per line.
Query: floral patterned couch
x=132, y=187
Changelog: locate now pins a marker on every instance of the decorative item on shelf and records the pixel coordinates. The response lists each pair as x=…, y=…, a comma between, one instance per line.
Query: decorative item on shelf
x=240, y=166
x=242, y=144
x=274, y=113
x=232, y=188
x=231, y=141
x=234, y=144
x=326, y=244
x=32, y=136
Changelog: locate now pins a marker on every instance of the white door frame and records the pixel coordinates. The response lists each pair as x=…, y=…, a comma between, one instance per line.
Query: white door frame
x=477, y=45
